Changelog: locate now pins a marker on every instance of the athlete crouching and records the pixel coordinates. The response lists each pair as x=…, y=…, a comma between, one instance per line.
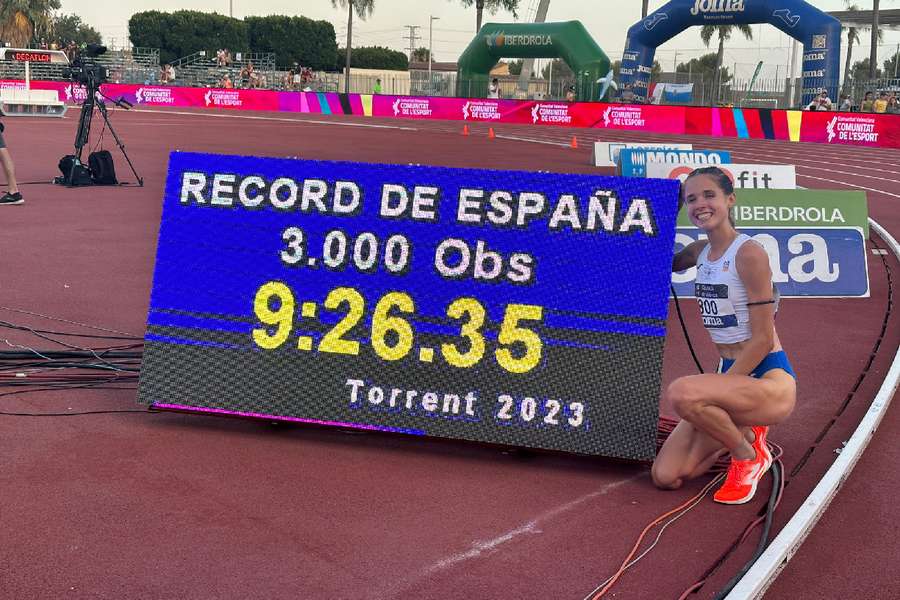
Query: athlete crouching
x=755, y=386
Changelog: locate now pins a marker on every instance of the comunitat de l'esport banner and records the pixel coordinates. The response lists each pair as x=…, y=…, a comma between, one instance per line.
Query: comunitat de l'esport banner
x=816, y=240
x=524, y=309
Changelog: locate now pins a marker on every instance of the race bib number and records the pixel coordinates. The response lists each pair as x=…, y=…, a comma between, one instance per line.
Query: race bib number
x=716, y=309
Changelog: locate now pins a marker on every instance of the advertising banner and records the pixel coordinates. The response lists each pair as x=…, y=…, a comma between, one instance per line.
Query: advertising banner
x=606, y=154
x=816, y=240
x=851, y=129
x=767, y=177
x=419, y=300
x=633, y=162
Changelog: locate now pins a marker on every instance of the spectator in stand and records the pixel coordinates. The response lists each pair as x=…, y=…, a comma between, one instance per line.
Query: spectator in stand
x=494, y=89
x=868, y=103
x=377, y=88
x=43, y=45
x=846, y=103
x=287, y=82
x=880, y=105
x=71, y=50
x=220, y=58
x=823, y=102
x=249, y=77
x=167, y=74
x=570, y=94
x=226, y=82
x=893, y=106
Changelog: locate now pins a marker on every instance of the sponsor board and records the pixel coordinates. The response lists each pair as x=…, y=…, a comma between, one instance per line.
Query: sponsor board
x=805, y=262
x=371, y=296
x=768, y=177
x=797, y=208
x=556, y=113
x=606, y=154
x=155, y=95
x=481, y=110
x=816, y=240
x=633, y=162
x=412, y=107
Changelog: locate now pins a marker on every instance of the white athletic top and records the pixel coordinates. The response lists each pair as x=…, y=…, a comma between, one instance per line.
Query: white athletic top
x=722, y=295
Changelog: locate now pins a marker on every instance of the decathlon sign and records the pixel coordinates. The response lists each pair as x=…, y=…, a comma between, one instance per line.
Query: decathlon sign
x=606, y=154
x=766, y=177
x=633, y=162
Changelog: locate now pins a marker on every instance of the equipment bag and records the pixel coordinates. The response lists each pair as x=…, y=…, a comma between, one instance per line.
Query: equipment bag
x=103, y=171
x=73, y=172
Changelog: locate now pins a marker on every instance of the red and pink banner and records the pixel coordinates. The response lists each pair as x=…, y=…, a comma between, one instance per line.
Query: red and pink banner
x=856, y=129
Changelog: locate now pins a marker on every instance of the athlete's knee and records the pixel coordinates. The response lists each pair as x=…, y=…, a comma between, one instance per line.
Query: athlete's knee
x=665, y=478
x=684, y=396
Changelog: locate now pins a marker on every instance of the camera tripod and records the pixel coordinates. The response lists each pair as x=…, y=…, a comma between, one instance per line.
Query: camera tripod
x=77, y=174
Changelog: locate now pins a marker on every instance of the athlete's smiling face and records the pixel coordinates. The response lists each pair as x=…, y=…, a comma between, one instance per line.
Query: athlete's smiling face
x=707, y=203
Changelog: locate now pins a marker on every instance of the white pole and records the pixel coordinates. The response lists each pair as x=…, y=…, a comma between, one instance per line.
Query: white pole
x=27, y=75
x=430, y=46
x=231, y=8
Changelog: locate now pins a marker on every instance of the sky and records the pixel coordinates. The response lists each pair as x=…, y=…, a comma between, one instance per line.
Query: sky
x=606, y=20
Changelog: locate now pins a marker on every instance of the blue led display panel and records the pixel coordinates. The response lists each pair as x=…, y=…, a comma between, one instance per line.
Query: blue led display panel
x=515, y=308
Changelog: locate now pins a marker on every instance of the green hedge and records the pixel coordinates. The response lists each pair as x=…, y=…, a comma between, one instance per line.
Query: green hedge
x=292, y=39
x=373, y=57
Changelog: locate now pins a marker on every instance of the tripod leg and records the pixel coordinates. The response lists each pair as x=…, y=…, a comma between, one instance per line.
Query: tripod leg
x=119, y=143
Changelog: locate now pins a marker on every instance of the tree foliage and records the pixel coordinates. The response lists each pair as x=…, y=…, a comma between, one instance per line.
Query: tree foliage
x=860, y=71
x=294, y=40
x=184, y=32
x=68, y=28
x=374, y=57
x=492, y=6
x=561, y=70
x=515, y=67
x=22, y=22
x=420, y=55
x=704, y=66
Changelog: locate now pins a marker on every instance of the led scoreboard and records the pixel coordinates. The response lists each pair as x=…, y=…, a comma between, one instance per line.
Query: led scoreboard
x=514, y=308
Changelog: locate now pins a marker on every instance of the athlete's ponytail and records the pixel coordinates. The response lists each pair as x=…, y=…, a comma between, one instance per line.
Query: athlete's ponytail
x=722, y=180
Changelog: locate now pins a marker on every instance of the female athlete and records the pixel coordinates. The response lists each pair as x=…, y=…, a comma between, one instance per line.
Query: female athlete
x=755, y=386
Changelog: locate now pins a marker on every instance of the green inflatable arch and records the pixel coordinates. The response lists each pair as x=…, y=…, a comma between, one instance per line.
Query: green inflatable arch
x=567, y=40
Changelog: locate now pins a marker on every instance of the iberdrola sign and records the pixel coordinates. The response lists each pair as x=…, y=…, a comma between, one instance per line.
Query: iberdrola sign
x=500, y=39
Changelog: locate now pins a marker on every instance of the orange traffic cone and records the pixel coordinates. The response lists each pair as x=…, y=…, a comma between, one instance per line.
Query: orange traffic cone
x=465, y=130
x=574, y=143
x=491, y=133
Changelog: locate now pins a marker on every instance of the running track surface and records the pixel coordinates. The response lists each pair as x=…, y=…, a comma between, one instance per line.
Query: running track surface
x=175, y=506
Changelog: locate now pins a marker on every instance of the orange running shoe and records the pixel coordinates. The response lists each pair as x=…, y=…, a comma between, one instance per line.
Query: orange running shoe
x=759, y=443
x=742, y=478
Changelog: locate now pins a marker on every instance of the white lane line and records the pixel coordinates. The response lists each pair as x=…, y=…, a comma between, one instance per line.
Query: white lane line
x=768, y=566
x=861, y=187
x=480, y=548
x=786, y=158
x=299, y=121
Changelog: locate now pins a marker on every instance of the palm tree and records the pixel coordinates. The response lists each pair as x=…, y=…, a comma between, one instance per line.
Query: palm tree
x=724, y=33
x=21, y=21
x=363, y=9
x=853, y=38
x=873, y=54
x=492, y=6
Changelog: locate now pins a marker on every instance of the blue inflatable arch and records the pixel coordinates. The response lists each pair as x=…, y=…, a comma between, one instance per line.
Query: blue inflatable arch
x=819, y=33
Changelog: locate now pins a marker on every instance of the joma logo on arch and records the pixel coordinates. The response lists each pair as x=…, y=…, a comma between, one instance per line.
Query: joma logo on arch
x=717, y=6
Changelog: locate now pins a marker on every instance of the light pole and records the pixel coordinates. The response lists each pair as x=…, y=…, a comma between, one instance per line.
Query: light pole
x=231, y=8
x=430, y=45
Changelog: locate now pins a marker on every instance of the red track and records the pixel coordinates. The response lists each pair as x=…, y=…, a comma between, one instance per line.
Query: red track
x=175, y=506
